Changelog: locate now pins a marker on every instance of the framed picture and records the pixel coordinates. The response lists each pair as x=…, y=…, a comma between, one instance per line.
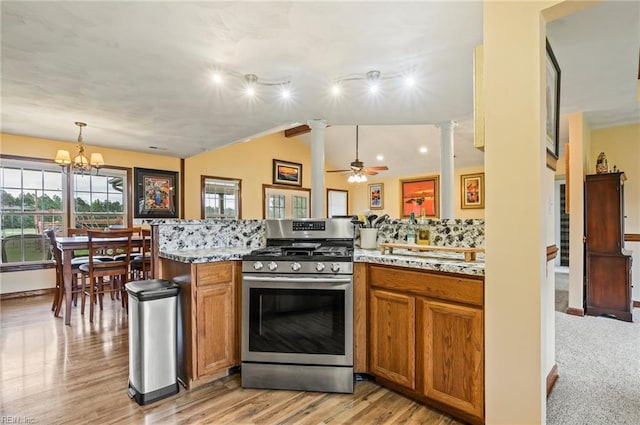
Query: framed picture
x=289, y=173
x=553, y=107
x=155, y=193
x=376, y=196
x=418, y=195
x=472, y=191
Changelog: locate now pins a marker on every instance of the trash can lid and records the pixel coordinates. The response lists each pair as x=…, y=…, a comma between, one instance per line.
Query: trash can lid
x=150, y=289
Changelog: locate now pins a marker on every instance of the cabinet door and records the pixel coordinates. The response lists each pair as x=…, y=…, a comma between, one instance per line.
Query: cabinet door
x=393, y=337
x=215, y=317
x=452, y=368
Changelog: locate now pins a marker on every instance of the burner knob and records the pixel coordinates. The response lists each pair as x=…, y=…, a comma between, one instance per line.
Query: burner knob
x=335, y=267
x=295, y=267
x=257, y=265
x=320, y=267
x=272, y=266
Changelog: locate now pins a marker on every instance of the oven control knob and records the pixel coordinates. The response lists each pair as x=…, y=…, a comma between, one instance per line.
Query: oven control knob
x=320, y=267
x=272, y=266
x=295, y=267
x=335, y=267
x=257, y=265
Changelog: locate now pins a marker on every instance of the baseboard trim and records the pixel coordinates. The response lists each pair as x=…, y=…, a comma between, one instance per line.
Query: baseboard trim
x=636, y=304
x=24, y=294
x=575, y=311
x=552, y=377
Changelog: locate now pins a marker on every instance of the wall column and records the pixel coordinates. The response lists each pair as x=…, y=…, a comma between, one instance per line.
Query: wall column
x=446, y=169
x=317, y=167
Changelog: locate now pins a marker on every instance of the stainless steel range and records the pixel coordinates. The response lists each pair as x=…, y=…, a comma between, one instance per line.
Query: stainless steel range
x=297, y=307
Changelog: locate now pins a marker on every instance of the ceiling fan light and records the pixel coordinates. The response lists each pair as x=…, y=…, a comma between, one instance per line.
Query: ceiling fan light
x=363, y=178
x=335, y=90
x=351, y=178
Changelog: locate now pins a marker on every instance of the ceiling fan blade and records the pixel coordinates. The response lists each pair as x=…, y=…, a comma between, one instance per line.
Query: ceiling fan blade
x=336, y=171
x=379, y=168
x=370, y=172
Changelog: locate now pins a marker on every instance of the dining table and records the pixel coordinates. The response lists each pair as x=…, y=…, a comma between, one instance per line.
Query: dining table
x=68, y=245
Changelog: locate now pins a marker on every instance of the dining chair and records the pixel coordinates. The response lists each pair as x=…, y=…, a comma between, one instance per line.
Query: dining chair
x=141, y=263
x=78, y=284
x=112, y=242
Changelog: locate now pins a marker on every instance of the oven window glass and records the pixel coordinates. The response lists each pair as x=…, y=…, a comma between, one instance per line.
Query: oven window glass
x=309, y=321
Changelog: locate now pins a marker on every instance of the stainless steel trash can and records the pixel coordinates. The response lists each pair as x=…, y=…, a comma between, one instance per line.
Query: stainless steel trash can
x=152, y=339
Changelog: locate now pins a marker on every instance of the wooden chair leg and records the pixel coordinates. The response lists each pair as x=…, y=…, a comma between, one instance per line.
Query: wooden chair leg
x=92, y=299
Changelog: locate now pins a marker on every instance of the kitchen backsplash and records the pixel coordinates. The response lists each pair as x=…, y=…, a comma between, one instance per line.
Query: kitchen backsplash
x=467, y=233
x=202, y=234
x=178, y=235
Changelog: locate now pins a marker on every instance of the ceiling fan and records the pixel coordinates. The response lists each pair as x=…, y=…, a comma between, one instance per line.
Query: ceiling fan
x=357, y=167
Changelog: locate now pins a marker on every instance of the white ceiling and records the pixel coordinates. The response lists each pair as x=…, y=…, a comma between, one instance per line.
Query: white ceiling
x=139, y=73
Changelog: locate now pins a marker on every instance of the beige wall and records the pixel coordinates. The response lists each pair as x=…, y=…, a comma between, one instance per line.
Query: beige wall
x=391, y=201
x=622, y=147
x=519, y=207
x=251, y=162
x=46, y=148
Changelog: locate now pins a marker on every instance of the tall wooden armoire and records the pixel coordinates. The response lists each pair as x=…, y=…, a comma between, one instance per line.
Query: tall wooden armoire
x=608, y=265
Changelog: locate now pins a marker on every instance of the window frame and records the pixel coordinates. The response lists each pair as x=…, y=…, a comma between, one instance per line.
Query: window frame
x=127, y=194
x=203, y=194
x=346, y=192
x=67, y=208
x=291, y=191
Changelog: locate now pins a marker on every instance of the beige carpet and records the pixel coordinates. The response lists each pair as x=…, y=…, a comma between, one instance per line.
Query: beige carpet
x=562, y=292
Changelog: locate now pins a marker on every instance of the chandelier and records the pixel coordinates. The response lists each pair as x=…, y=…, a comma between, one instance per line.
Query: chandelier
x=80, y=163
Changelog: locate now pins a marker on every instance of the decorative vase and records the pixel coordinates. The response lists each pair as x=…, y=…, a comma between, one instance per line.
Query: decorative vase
x=602, y=165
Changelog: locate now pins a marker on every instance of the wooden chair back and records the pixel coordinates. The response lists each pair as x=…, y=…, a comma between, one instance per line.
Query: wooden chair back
x=109, y=242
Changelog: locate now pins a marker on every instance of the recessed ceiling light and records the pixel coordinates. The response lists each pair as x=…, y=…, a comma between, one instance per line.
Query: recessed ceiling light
x=285, y=93
x=217, y=77
x=335, y=90
x=410, y=81
x=423, y=149
x=380, y=157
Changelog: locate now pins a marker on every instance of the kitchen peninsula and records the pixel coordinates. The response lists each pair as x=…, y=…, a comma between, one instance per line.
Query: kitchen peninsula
x=418, y=317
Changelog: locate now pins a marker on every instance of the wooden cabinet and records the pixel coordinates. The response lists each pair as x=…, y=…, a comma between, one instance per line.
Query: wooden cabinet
x=216, y=328
x=452, y=354
x=208, y=344
x=393, y=337
x=608, y=265
x=426, y=337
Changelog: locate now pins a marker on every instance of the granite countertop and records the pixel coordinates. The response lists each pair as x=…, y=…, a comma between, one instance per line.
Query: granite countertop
x=436, y=261
x=206, y=255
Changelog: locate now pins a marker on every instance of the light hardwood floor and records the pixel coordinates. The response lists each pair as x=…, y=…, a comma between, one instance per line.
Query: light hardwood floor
x=56, y=374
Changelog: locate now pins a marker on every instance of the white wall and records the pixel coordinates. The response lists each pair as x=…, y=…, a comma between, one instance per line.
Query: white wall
x=27, y=280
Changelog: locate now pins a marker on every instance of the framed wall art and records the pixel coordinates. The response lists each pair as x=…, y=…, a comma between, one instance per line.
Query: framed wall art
x=553, y=108
x=472, y=191
x=420, y=194
x=289, y=173
x=155, y=193
x=376, y=196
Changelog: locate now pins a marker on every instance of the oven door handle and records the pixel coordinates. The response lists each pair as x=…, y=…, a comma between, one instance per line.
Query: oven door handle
x=324, y=279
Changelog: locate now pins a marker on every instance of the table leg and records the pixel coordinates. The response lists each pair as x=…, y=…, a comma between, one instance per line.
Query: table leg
x=68, y=282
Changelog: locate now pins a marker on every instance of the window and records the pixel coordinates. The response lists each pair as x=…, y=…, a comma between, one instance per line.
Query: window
x=32, y=201
x=35, y=197
x=99, y=201
x=220, y=197
x=285, y=202
x=337, y=202
x=300, y=209
x=276, y=205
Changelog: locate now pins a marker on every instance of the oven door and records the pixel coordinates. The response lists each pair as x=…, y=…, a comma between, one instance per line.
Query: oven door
x=302, y=319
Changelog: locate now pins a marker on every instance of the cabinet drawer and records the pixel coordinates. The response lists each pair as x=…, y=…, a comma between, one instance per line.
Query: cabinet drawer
x=213, y=273
x=446, y=287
